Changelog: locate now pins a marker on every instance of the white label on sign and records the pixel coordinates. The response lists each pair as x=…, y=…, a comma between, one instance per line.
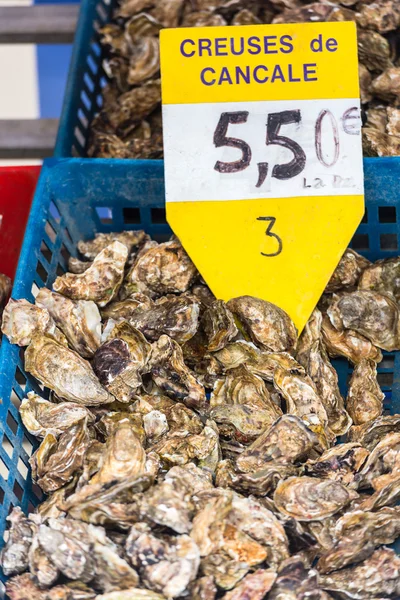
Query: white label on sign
x=247, y=150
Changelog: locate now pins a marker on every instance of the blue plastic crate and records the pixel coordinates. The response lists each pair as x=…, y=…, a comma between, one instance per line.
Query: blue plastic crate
x=76, y=198
x=86, y=78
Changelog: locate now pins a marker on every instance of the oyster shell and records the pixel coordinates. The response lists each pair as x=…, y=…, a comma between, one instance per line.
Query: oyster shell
x=42, y=569
x=56, y=462
x=177, y=317
x=65, y=372
x=91, y=248
x=383, y=277
x=22, y=320
x=14, y=557
x=256, y=361
x=170, y=373
x=219, y=326
x=121, y=360
x=381, y=15
x=254, y=585
x=348, y=343
x=165, y=269
x=101, y=281
x=376, y=577
x=370, y=434
x=167, y=564
x=259, y=482
x=78, y=266
x=123, y=309
x=312, y=355
x=80, y=321
x=340, y=463
x=41, y=417
x=387, y=85
x=373, y=315
x=365, y=397
x=124, y=456
x=242, y=422
x=267, y=325
x=382, y=464
x=348, y=271
x=357, y=534
x=203, y=588
x=240, y=386
x=311, y=499
x=295, y=580
x=304, y=402
x=287, y=441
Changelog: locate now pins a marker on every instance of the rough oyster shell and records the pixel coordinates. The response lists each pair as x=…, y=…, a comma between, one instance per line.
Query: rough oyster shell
x=311, y=499
x=376, y=577
x=56, y=462
x=304, y=402
x=14, y=557
x=165, y=269
x=373, y=315
x=80, y=321
x=357, y=534
x=90, y=249
x=383, y=463
x=177, y=317
x=347, y=272
x=218, y=325
x=101, y=281
x=365, y=397
x=348, y=343
x=170, y=373
x=267, y=325
x=383, y=277
x=65, y=372
x=123, y=309
x=40, y=416
x=121, y=360
x=340, y=463
x=22, y=320
x=288, y=440
x=370, y=434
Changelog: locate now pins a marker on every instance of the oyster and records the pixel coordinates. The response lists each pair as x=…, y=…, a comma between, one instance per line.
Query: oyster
x=124, y=456
x=358, y=533
x=365, y=397
x=383, y=277
x=267, y=325
x=22, y=320
x=219, y=326
x=348, y=271
x=42, y=569
x=101, y=281
x=304, y=402
x=348, y=343
x=287, y=441
x=295, y=580
x=170, y=373
x=312, y=355
x=373, y=315
x=166, y=564
x=79, y=321
x=176, y=317
x=203, y=588
x=65, y=372
x=121, y=360
x=123, y=309
x=78, y=266
x=256, y=361
x=91, y=248
x=254, y=585
x=41, y=417
x=387, y=85
x=165, y=269
x=340, y=463
x=14, y=557
x=56, y=462
x=259, y=482
x=383, y=463
x=311, y=499
x=371, y=433
x=242, y=422
x=376, y=577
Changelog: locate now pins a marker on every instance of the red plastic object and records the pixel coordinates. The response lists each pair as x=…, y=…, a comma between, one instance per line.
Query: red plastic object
x=17, y=186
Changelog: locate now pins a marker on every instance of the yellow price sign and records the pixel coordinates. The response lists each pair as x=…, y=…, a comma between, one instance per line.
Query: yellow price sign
x=263, y=155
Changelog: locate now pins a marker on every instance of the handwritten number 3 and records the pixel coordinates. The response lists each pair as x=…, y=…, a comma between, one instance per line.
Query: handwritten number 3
x=270, y=233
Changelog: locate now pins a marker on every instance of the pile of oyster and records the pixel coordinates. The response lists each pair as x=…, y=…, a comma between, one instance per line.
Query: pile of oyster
x=129, y=124
x=187, y=449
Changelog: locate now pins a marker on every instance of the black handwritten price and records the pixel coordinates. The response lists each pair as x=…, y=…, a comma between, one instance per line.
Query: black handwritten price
x=275, y=121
